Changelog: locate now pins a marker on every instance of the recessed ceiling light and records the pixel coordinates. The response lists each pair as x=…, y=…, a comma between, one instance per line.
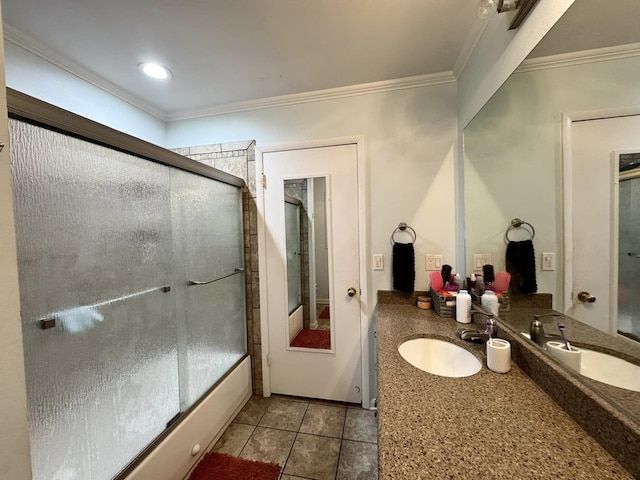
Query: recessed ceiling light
x=154, y=70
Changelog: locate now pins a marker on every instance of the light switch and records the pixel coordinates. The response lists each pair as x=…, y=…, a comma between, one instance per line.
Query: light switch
x=432, y=262
x=548, y=261
x=378, y=261
x=480, y=260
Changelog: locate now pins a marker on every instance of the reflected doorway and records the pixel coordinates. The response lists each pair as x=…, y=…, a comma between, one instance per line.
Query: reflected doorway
x=307, y=262
x=628, y=319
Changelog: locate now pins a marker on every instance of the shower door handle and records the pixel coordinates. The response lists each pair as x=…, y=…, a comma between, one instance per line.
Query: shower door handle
x=197, y=282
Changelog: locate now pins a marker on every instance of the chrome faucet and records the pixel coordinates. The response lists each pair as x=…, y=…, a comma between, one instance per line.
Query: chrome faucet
x=479, y=336
x=536, y=329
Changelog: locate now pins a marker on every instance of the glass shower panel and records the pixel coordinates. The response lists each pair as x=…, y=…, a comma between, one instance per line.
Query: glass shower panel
x=216, y=335
x=294, y=255
x=210, y=304
x=93, y=227
x=629, y=258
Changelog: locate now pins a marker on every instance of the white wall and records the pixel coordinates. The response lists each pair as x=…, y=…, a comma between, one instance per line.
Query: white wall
x=34, y=76
x=15, y=461
x=410, y=138
x=513, y=164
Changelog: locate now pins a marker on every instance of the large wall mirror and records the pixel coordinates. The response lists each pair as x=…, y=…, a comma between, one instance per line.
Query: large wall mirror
x=307, y=263
x=526, y=156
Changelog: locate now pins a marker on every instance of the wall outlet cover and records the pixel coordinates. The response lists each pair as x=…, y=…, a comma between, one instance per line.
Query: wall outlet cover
x=549, y=261
x=433, y=262
x=480, y=260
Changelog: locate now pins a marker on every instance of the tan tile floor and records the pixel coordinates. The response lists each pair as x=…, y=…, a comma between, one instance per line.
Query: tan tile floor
x=309, y=439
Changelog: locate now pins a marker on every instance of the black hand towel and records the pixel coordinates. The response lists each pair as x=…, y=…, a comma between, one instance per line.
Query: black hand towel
x=521, y=264
x=404, y=272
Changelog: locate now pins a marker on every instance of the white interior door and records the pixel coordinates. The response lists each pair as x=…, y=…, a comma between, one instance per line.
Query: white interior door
x=594, y=232
x=334, y=373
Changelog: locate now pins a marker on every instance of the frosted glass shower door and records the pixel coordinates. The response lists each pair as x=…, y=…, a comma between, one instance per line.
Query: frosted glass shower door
x=93, y=227
x=210, y=304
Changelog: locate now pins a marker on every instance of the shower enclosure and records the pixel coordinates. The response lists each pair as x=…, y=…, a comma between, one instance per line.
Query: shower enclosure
x=132, y=294
x=629, y=246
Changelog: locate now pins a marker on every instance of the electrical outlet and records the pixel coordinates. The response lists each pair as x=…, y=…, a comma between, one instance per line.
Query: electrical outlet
x=432, y=262
x=378, y=261
x=549, y=261
x=480, y=260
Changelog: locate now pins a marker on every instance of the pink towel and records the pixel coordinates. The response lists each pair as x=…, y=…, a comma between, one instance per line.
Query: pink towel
x=502, y=281
x=436, y=281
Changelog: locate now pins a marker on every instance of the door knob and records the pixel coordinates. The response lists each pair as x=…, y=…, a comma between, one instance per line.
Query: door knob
x=586, y=297
x=351, y=292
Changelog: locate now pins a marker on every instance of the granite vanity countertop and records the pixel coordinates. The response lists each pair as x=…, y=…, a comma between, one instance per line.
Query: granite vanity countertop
x=584, y=336
x=485, y=426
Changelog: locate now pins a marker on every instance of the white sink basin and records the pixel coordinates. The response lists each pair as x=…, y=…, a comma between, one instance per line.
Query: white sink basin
x=608, y=369
x=439, y=357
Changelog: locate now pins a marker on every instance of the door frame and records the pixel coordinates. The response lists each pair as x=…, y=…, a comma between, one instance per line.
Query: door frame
x=363, y=233
x=568, y=118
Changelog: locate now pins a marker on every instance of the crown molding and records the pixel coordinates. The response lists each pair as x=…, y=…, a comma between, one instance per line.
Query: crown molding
x=417, y=81
x=30, y=44
x=477, y=29
x=22, y=40
x=580, y=58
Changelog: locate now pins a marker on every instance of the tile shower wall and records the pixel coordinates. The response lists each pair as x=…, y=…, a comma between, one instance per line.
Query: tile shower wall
x=239, y=159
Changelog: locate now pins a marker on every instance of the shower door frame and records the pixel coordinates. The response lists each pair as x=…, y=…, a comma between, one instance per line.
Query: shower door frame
x=233, y=389
x=22, y=106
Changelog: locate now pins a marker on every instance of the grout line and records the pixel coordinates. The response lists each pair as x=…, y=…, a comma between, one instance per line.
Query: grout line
x=247, y=441
x=344, y=424
x=294, y=439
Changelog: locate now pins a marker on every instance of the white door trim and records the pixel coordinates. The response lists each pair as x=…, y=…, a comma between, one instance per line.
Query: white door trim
x=568, y=119
x=363, y=234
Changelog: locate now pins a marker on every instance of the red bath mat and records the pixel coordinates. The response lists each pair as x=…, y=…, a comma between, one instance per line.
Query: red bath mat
x=220, y=466
x=312, y=339
x=325, y=313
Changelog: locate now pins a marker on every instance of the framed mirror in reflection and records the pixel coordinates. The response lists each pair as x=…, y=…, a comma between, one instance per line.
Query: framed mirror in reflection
x=525, y=156
x=307, y=263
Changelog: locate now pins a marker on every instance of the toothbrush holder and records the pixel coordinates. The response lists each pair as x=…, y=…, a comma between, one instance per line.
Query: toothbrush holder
x=570, y=358
x=498, y=355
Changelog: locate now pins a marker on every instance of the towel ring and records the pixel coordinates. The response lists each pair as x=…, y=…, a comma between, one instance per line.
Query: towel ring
x=403, y=227
x=517, y=223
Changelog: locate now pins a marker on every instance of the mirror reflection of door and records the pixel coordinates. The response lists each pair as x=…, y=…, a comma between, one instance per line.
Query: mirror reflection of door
x=604, y=224
x=307, y=263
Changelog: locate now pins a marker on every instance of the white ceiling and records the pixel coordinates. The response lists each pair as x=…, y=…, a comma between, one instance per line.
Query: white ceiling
x=227, y=51
x=592, y=24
